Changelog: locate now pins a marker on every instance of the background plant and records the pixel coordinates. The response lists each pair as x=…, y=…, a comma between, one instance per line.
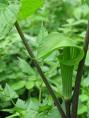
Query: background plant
x=14, y=60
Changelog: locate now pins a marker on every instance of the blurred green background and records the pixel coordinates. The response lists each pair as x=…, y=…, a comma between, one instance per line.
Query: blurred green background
x=22, y=93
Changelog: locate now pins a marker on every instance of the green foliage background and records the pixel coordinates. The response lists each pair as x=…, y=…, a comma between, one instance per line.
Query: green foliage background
x=22, y=93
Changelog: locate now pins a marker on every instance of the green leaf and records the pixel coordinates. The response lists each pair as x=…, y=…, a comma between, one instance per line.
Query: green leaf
x=42, y=34
x=8, y=14
x=25, y=67
x=83, y=97
x=1, y=89
x=20, y=104
x=87, y=59
x=9, y=92
x=13, y=116
x=18, y=85
x=3, y=1
x=30, y=84
x=85, y=82
x=82, y=109
x=44, y=108
x=53, y=113
x=32, y=109
x=28, y=7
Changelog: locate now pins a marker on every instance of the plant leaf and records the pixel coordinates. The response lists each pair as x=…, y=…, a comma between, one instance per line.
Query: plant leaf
x=20, y=104
x=25, y=67
x=8, y=14
x=28, y=7
x=9, y=92
x=3, y=1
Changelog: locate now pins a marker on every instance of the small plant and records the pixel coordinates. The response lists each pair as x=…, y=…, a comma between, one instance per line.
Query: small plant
x=70, y=55
x=69, y=58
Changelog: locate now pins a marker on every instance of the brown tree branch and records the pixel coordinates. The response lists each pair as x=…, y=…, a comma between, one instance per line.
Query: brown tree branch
x=79, y=76
x=28, y=48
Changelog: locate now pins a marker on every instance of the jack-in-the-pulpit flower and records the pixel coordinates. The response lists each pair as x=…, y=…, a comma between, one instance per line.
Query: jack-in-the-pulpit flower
x=70, y=56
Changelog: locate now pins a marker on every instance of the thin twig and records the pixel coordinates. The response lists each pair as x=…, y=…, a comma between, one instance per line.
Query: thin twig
x=79, y=76
x=28, y=48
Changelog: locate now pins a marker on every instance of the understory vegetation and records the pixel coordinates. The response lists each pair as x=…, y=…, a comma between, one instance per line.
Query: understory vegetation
x=55, y=30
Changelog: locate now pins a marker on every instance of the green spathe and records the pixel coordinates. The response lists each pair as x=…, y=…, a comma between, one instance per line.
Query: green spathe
x=70, y=56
